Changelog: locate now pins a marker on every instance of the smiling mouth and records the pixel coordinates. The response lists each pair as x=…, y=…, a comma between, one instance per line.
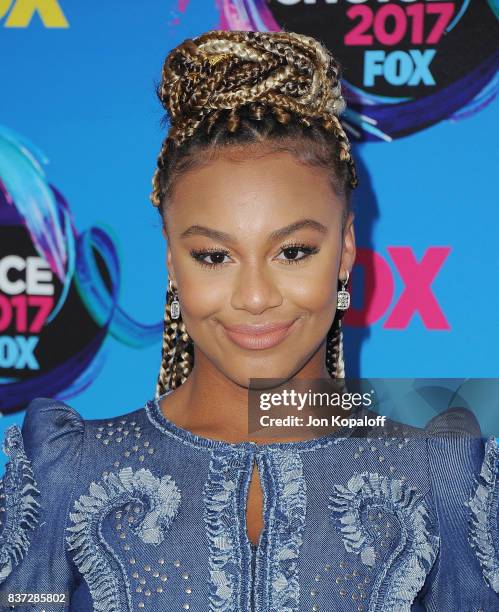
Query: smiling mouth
x=259, y=338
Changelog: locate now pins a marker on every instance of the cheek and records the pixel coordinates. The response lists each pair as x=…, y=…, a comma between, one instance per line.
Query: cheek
x=309, y=291
x=201, y=298
x=314, y=295
x=315, y=289
x=312, y=290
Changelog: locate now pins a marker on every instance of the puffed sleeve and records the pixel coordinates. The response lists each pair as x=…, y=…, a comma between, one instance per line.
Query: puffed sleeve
x=465, y=487
x=37, y=487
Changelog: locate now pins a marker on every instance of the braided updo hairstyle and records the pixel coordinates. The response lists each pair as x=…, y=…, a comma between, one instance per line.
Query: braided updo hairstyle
x=271, y=91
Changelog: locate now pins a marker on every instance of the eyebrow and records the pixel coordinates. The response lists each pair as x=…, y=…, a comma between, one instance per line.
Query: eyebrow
x=279, y=234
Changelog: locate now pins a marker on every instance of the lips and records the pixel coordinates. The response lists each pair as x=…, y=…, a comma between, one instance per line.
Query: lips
x=257, y=337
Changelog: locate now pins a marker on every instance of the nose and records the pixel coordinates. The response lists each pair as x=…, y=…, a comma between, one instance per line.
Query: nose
x=255, y=290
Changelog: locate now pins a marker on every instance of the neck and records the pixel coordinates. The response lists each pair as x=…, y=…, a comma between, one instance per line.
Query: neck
x=211, y=405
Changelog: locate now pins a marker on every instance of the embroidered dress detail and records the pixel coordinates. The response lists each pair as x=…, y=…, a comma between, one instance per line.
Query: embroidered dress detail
x=159, y=518
x=287, y=533
x=483, y=534
x=19, y=493
x=220, y=508
x=403, y=571
x=157, y=500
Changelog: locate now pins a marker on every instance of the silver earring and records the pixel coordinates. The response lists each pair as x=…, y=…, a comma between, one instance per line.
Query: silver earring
x=175, y=305
x=344, y=295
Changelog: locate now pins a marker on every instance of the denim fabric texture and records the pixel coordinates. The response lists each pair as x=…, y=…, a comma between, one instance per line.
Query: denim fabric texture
x=136, y=513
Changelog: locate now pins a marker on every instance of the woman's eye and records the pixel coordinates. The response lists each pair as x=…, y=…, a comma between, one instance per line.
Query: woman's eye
x=216, y=257
x=293, y=251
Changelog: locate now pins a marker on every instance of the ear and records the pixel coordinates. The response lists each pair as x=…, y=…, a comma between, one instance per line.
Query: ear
x=348, y=248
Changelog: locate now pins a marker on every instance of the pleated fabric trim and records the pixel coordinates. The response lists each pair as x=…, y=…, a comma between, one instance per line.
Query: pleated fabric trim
x=288, y=526
x=158, y=500
x=220, y=508
x=402, y=575
x=19, y=493
x=483, y=505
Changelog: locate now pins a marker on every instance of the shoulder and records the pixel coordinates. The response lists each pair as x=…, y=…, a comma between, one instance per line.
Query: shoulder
x=50, y=420
x=456, y=445
x=456, y=453
x=454, y=421
x=47, y=422
x=51, y=423
x=44, y=457
x=464, y=468
x=50, y=438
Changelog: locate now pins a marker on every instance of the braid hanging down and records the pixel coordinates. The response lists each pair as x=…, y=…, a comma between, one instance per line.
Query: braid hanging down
x=273, y=90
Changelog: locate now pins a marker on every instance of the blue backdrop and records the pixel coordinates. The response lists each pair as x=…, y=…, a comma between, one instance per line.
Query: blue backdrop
x=78, y=97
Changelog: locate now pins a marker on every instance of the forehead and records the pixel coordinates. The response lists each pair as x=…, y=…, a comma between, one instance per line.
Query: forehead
x=246, y=187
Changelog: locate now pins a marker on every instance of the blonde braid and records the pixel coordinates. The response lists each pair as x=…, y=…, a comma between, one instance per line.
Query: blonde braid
x=183, y=365
x=227, y=70
x=340, y=362
x=168, y=349
x=210, y=82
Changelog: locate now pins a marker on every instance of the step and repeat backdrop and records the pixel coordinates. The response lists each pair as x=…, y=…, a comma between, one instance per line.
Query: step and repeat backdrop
x=82, y=258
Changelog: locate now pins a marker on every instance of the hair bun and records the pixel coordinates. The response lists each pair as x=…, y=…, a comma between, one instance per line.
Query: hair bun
x=285, y=71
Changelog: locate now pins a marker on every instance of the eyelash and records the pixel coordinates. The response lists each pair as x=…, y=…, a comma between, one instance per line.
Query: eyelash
x=199, y=255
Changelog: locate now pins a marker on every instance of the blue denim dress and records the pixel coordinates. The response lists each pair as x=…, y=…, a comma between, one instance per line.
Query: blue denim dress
x=136, y=513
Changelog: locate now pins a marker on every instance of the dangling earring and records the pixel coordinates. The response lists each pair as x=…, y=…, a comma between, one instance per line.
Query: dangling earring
x=175, y=305
x=344, y=295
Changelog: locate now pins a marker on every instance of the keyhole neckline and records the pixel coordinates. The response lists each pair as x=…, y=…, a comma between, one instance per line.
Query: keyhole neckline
x=165, y=425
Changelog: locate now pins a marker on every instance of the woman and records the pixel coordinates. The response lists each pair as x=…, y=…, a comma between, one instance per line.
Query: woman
x=171, y=506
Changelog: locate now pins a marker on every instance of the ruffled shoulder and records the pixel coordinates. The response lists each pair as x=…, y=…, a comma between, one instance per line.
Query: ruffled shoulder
x=35, y=474
x=48, y=420
x=454, y=422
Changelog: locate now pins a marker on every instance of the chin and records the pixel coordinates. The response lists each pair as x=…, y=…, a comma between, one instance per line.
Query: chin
x=243, y=379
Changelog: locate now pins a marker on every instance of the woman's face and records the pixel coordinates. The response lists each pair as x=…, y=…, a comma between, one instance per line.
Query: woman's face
x=236, y=259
